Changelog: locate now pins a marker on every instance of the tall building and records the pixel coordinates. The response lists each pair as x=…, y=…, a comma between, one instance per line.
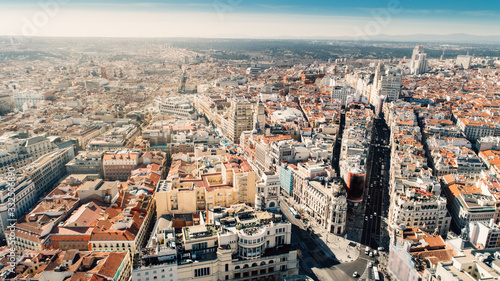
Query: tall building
x=464, y=61
x=259, y=117
x=268, y=190
x=418, y=64
x=386, y=84
x=240, y=118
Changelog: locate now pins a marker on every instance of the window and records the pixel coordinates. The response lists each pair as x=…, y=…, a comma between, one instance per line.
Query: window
x=202, y=272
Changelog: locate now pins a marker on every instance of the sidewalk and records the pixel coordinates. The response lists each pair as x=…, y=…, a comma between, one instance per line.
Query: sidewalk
x=345, y=250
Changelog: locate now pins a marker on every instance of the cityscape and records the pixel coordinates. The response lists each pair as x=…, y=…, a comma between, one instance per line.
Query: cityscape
x=257, y=156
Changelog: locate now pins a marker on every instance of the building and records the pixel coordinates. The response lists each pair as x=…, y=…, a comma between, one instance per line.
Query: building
x=418, y=64
x=27, y=98
x=48, y=169
x=476, y=129
x=105, y=144
x=86, y=163
x=238, y=243
x=25, y=199
x=19, y=152
x=466, y=202
x=484, y=235
x=354, y=150
x=235, y=183
x=179, y=107
x=70, y=265
x=240, y=118
x=417, y=208
x=158, y=259
x=470, y=265
x=267, y=193
x=119, y=164
x=286, y=179
x=341, y=92
x=387, y=84
x=320, y=194
x=32, y=231
x=124, y=228
x=464, y=61
x=415, y=254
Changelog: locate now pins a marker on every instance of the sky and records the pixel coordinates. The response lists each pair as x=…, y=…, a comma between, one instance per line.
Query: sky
x=247, y=18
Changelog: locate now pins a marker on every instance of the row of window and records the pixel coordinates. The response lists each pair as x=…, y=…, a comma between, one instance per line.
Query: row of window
x=202, y=272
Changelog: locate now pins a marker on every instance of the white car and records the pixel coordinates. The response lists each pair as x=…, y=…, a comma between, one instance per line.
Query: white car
x=355, y=274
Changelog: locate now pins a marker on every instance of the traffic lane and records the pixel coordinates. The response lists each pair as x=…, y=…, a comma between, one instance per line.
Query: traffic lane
x=289, y=215
x=306, y=262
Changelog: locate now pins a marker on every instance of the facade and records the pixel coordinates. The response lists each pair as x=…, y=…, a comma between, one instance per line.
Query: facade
x=124, y=229
x=466, y=202
x=418, y=64
x=240, y=118
x=179, y=107
x=464, y=61
x=342, y=92
x=320, y=195
x=85, y=163
x=48, y=169
x=119, y=165
x=18, y=153
x=267, y=192
x=417, y=208
x=484, y=235
x=245, y=245
x=286, y=179
x=28, y=98
x=25, y=198
x=387, y=84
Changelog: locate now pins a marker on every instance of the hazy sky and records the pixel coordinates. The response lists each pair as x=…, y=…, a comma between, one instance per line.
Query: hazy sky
x=247, y=18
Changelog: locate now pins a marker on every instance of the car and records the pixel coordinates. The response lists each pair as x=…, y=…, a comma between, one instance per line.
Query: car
x=370, y=255
x=355, y=274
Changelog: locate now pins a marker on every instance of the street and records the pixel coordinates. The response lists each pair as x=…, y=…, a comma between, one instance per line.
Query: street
x=317, y=260
x=376, y=197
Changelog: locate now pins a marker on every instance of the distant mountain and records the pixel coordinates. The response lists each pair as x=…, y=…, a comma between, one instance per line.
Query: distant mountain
x=445, y=38
x=431, y=38
x=413, y=38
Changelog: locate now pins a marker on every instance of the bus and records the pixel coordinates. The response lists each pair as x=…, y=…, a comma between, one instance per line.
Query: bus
x=294, y=213
x=375, y=274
